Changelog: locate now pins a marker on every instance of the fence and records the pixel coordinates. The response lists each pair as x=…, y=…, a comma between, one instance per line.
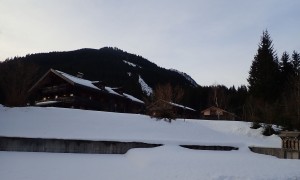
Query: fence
x=277, y=152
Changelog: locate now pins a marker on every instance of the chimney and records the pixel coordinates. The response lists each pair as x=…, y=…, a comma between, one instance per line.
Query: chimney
x=79, y=75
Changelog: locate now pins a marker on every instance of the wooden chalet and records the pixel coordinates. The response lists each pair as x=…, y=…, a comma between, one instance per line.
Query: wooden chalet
x=215, y=113
x=59, y=89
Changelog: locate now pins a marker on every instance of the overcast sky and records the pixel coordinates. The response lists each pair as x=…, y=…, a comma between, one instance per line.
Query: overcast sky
x=214, y=41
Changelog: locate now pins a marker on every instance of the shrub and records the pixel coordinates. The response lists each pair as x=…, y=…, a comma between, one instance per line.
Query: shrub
x=255, y=125
x=269, y=130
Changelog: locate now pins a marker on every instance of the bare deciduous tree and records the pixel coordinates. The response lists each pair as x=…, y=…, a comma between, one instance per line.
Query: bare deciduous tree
x=160, y=106
x=15, y=80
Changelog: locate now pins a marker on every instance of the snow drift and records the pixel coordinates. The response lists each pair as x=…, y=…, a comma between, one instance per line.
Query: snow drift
x=166, y=162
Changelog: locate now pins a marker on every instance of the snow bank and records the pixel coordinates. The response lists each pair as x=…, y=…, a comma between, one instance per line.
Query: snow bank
x=166, y=162
x=96, y=125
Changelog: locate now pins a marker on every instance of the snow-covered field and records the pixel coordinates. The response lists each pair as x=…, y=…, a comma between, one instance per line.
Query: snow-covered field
x=166, y=162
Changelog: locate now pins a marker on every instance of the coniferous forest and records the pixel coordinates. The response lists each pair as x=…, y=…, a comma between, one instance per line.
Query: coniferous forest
x=274, y=86
x=272, y=95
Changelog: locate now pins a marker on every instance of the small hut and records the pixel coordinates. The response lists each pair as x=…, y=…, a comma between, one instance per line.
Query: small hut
x=217, y=113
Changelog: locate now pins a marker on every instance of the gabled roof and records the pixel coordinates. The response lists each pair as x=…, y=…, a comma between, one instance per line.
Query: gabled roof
x=181, y=106
x=76, y=81
x=133, y=98
x=216, y=108
x=172, y=104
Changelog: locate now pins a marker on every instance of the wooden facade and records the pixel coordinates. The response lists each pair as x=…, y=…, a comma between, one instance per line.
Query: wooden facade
x=59, y=89
x=216, y=113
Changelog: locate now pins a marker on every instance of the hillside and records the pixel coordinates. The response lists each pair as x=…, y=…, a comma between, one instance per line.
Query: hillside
x=113, y=66
x=166, y=162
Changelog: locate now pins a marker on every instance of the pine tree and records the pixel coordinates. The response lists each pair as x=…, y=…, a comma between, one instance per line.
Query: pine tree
x=296, y=88
x=264, y=73
x=286, y=70
x=296, y=62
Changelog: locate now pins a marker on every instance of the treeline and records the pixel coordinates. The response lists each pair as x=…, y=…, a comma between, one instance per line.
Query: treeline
x=274, y=86
x=231, y=99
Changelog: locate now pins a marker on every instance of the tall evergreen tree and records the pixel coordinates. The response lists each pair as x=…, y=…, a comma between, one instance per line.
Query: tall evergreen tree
x=286, y=69
x=264, y=72
x=296, y=89
x=296, y=62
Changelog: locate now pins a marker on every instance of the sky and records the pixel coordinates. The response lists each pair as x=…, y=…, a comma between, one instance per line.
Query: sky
x=214, y=41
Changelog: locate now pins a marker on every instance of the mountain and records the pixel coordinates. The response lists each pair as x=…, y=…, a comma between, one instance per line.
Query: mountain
x=112, y=66
x=187, y=77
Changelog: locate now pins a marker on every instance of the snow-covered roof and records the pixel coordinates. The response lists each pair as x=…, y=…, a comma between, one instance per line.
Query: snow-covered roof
x=181, y=106
x=133, y=98
x=90, y=84
x=45, y=103
x=78, y=80
x=110, y=90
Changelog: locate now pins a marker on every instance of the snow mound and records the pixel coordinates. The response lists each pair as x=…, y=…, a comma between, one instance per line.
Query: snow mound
x=167, y=162
x=96, y=125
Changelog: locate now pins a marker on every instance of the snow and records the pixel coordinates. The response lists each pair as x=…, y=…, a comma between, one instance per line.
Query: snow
x=45, y=103
x=131, y=64
x=96, y=125
x=90, y=84
x=111, y=91
x=78, y=80
x=133, y=98
x=166, y=162
x=181, y=106
x=145, y=88
x=85, y=82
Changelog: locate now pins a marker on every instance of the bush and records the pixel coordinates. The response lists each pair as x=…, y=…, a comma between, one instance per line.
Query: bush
x=269, y=130
x=255, y=125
